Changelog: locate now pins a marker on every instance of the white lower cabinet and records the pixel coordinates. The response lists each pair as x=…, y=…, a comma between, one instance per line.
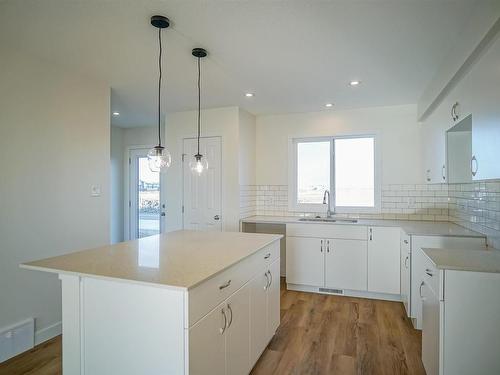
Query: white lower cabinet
x=461, y=316
x=405, y=271
x=345, y=264
x=207, y=343
x=384, y=260
x=351, y=258
x=238, y=333
x=430, y=328
x=230, y=338
x=264, y=309
x=305, y=263
x=273, y=300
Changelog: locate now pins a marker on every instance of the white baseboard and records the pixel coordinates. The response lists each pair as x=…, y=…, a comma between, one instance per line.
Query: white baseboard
x=347, y=293
x=47, y=333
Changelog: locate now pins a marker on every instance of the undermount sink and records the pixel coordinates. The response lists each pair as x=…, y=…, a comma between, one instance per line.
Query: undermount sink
x=328, y=220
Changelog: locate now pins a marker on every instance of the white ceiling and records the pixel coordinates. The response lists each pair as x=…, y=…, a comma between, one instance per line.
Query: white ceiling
x=295, y=55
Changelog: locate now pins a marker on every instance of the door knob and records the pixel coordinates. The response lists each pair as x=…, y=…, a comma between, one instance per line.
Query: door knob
x=216, y=217
x=162, y=214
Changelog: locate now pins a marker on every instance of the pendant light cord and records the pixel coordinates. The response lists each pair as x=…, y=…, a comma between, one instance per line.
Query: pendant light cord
x=199, y=104
x=159, y=87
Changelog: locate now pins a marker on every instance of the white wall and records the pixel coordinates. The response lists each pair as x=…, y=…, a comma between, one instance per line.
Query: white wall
x=54, y=144
x=247, y=152
x=221, y=122
x=399, y=139
x=117, y=184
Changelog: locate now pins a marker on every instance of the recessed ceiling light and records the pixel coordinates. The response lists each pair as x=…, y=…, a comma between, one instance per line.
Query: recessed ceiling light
x=249, y=94
x=116, y=113
x=328, y=105
x=354, y=83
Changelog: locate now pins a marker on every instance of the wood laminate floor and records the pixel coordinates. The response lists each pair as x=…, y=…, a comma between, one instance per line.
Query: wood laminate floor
x=319, y=334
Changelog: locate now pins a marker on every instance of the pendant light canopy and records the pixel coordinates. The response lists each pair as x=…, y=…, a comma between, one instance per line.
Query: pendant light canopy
x=198, y=162
x=158, y=157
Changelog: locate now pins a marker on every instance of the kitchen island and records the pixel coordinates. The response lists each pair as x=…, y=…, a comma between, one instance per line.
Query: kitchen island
x=176, y=303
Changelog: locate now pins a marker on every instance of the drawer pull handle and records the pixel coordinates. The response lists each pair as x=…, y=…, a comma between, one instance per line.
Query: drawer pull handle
x=267, y=280
x=225, y=285
x=267, y=256
x=429, y=272
x=223, y=329
x=271, y=277
x=420, y=290
x=231, y=318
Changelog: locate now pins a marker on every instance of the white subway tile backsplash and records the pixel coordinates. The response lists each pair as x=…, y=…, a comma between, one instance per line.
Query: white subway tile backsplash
x=473, y=205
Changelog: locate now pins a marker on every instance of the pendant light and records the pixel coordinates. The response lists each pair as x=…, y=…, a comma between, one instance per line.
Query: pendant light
x=158, y=157
x=198, y=163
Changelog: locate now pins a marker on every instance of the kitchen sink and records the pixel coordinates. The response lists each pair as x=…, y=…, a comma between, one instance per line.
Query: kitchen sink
x=328, y=220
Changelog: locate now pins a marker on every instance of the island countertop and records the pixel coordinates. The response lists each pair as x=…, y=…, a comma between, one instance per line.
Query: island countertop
x=180, y=259
x=410, y=227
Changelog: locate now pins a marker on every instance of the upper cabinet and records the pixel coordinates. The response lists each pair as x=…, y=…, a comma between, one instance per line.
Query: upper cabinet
x=480, y=90
x=461, y=136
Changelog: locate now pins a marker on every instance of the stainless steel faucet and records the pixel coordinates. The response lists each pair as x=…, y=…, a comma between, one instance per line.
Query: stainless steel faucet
x=329, y=211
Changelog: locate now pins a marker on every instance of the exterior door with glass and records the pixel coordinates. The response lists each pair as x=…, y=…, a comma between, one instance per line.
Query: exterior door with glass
x=202, y=193
x=145, y=209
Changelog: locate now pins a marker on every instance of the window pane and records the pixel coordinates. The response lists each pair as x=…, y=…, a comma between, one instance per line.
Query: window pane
x=313, y=171
x=355, y=172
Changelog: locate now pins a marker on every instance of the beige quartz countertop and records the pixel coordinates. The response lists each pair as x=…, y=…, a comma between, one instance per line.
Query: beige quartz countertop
x=410, y=227
x=180, y=259
x=465, y=260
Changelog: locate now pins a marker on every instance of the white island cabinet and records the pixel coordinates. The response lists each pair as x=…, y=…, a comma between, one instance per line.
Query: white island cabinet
x=180, y=303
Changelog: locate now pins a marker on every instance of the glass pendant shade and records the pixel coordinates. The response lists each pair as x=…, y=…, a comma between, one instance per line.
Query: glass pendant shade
x=198, y=164
x=159, y=159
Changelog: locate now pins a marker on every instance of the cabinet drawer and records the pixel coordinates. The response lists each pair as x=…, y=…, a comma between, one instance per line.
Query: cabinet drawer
x=339, y=231
x=210, y=293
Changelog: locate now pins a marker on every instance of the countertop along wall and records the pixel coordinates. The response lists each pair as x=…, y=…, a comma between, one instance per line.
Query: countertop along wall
x=54, y=144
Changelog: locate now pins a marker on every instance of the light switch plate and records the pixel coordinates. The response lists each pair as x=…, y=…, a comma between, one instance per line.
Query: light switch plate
x=95, y=190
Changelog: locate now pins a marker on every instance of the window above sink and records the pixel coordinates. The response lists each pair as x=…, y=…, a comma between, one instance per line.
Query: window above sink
x=347, y=166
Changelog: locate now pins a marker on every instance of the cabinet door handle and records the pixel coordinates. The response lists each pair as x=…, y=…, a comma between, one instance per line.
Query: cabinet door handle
x=473, y=162
x=267, y=256
x=428, y=175
x=371, y=234
x=270, y=278
x=225, y=285
x=321, y=247
x=328, y=246
x=406, y=261
x=453, y=112
x=443, y=172
x=420, y=290
x=405, y=241
x=267, y=281
x=223, y=329
x=429, y=272
x=231, y=318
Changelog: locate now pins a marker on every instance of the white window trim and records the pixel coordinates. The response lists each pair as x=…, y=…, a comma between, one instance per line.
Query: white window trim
x=321, y=208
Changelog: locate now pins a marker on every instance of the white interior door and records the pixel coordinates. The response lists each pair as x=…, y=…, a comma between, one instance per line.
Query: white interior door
x=145, y=208
x=202, y=193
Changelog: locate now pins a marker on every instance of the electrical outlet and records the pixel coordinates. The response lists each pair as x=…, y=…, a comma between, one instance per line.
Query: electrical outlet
x=95, y=190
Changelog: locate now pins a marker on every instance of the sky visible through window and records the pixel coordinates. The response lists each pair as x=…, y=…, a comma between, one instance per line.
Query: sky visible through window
x=313, y=171
x=354, y=171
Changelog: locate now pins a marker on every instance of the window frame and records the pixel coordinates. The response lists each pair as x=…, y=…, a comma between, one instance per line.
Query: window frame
x=293, y=205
